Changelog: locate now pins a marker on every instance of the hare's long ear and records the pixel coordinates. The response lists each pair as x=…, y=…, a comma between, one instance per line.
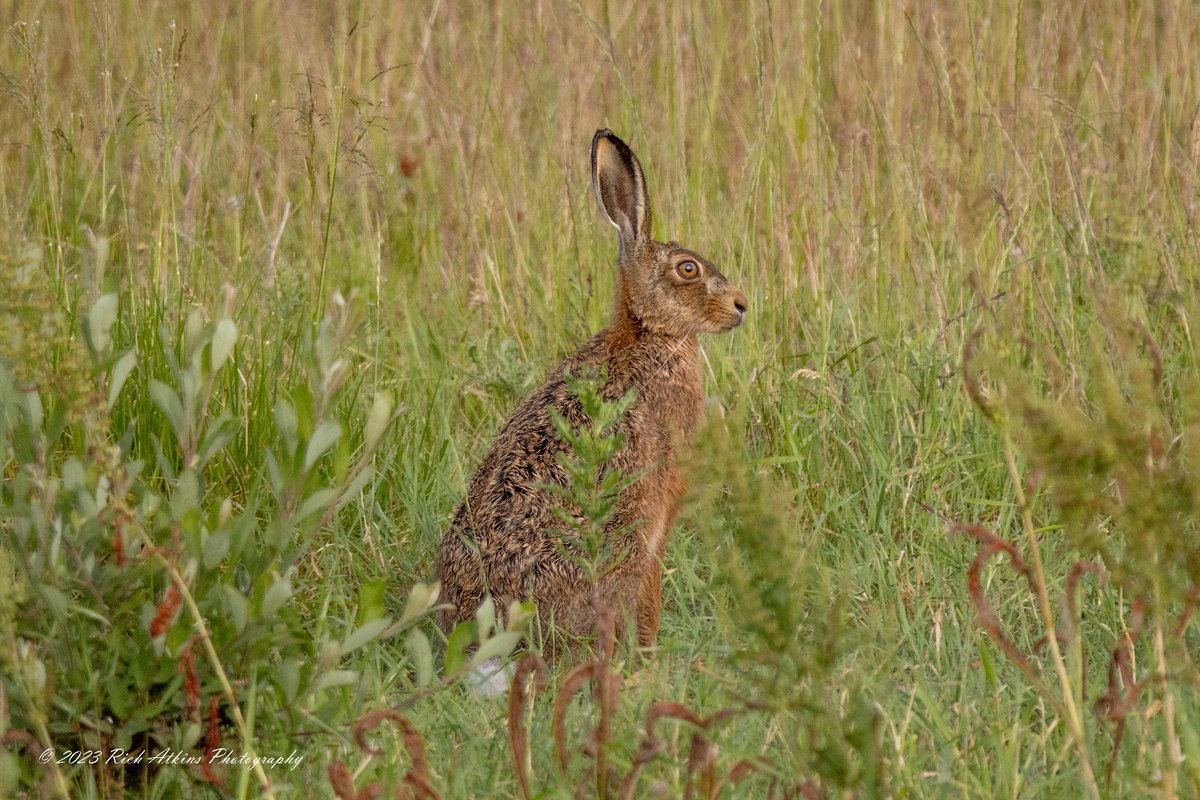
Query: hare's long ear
x=621, y=189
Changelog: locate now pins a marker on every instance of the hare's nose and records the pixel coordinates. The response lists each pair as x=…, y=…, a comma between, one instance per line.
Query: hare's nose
x=739, y=301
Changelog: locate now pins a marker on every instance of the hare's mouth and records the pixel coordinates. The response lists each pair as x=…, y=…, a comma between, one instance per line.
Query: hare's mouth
x=728, y=321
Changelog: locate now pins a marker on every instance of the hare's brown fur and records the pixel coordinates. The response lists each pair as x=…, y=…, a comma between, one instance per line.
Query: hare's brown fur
x=503, y=539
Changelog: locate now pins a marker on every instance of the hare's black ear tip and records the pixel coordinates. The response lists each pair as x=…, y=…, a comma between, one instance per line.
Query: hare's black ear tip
x=603, y=133
x=615, y=145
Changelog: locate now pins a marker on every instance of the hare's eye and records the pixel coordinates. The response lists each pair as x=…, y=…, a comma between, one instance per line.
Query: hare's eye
x=688, y=270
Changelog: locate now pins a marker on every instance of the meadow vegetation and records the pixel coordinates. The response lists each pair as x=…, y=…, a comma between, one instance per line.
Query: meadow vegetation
x=273, y=274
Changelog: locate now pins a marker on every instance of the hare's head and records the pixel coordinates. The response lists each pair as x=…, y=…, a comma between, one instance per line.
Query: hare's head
x=665, y=287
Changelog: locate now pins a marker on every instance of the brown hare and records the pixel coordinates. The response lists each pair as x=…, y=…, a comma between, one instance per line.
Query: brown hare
x=503, y=540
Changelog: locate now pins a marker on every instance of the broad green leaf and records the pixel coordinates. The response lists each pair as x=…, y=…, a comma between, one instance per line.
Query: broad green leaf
x=370, y=600
x=421, y=654
x=191, y=384
x=520, y=612
x=456, y=647
x=119, y=698
x=226, y=512
x=187, y=493
x=289, y=678
x=223, y=340
x=191, y=735
x=161, y=461
x=317, y=501
x=323, y=438
x=356, y=485
x=335, y=678
x=329, y=654
x=100, y=322
x=10, y=774
x=378, y=419
x=219, y=434
x=120, y=373
x=421, y=598
x=276, y=596
x=239, y=607
x=72, y=474
x=278, y=534
x=216, y=546
x=365, y=633
x=274, y=475
x=193, y=330
x=177, y=636
x=91, y=614
x=33, y=402
x=485, y=617
x=55, y=598
x=165, y=399
x=286, y=419
x=499, y=646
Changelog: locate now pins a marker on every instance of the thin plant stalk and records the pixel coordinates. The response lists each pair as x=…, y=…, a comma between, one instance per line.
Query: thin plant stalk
x=1174, y=755
x=1074, y=719
x=215, y=660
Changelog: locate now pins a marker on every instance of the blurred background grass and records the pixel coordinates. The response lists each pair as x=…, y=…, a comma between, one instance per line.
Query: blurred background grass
x=878, y=178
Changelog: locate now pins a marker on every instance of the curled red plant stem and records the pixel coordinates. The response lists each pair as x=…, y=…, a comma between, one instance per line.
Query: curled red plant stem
x=576, y=679
x=701, y=751
x=606, y=691
x=701, y=764
x=343, y=784
x=530, y=666
x=340, y=780
x=745, y=768
x=607, y=687
x=990, y=545
x=651, y=745
x=417, y=780
x=1113, y=705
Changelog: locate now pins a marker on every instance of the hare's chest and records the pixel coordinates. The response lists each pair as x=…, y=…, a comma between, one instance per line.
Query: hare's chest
x=665, y=375
x=670, y=417
x=678, y=404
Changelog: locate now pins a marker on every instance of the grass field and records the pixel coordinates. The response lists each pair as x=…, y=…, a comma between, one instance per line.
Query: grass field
x=200, y=185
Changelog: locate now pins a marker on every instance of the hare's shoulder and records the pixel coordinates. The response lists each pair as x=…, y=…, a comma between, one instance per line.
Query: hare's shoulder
x=525, y=449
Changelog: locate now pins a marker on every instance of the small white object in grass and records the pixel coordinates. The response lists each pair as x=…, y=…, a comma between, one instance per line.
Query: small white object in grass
x=491, y=678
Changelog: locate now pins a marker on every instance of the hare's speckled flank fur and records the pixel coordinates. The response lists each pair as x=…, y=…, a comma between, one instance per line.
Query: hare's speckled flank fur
x=502, y=540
